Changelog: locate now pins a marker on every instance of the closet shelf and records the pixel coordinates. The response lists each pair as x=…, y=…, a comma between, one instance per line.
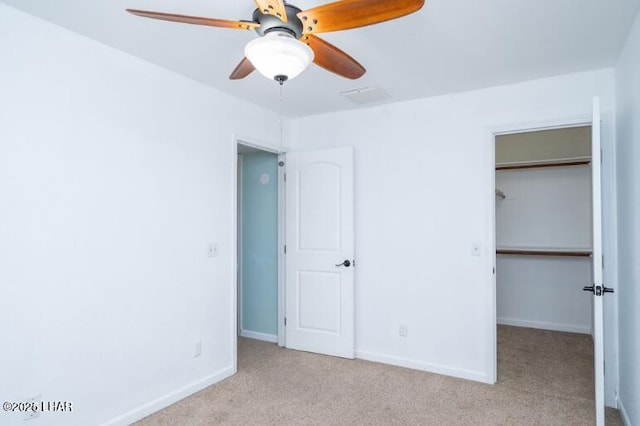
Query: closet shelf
x=516, y=166
x=545, y=251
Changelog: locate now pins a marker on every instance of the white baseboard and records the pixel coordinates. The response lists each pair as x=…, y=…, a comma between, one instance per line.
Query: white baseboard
x=166, y=400
x=421, y=365
x=546, y=325
x=272, y=338
x=623, y=413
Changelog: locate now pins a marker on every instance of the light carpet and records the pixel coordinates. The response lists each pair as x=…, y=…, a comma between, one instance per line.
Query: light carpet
x=544, y=378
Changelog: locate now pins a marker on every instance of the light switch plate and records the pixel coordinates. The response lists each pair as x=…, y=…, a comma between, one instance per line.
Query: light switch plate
x=212, y=250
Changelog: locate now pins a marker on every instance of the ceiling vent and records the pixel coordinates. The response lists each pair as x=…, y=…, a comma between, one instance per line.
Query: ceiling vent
x=366, y=95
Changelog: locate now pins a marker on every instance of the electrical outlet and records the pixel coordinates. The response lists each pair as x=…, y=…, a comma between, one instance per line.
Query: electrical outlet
x=34, y=402
x=403, y=330
x=197, y=349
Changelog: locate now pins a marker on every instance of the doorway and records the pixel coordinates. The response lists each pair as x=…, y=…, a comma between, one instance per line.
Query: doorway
x=544, y=243
x=258, y=241
x=543, y=229
x=316, y=236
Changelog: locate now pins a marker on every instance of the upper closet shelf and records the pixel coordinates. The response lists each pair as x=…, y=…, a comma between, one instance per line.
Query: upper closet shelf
x=579, y=161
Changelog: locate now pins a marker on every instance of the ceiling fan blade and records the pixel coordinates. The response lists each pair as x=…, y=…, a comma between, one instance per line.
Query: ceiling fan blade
x=196, y=20
x=333, y=59
x=244, y=68
x=273, y=7
x=346, y=14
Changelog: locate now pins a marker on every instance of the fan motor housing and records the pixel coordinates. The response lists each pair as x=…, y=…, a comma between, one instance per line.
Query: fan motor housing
x=270, y=23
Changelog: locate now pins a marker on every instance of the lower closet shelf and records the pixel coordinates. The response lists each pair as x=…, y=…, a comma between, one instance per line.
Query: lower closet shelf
x=537, y=251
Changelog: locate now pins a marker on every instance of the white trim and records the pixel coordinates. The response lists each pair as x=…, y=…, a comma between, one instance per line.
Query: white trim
x=239, y=194
x=489, y=265
x=282, y=258
x=477, y=376
x=623, y=413
x=536, y=126
x=490, y=234
x=259, y=336
x=235, y=284
x=569, y=328
x=256, y=143
x=166, y=400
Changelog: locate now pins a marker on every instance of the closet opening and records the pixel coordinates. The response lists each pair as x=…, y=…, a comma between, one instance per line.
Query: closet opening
x=259, y=224
x=543, y=236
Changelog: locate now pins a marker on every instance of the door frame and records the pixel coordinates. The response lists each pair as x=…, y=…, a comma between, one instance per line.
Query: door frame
x=235, y=193
x=609, y=242
x=490, y=265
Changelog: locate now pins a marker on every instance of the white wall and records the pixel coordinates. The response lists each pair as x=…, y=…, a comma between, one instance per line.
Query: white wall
x=544, y=292
x=544, y=208
x=114, y=176
x=424, y=194
x=628, y=153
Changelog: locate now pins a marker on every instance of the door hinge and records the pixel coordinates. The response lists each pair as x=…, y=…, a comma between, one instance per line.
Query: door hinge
x=598, y=290
x=494, y=271
x=285, y=249
x=285, y=177
x=285, y=321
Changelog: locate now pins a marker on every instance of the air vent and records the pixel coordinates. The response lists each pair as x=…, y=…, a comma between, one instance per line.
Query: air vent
x=366, y=95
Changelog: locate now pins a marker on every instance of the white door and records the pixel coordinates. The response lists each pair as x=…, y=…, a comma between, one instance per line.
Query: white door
x=320, y=252
x=598, y=288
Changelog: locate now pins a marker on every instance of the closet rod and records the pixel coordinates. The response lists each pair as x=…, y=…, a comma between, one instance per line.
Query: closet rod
x=541, y=165
x=526, y=252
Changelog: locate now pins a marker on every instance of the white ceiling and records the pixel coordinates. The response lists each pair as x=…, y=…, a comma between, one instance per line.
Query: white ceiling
x=448, y=46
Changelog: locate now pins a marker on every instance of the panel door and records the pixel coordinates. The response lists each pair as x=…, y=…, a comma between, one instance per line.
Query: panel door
x=320, y=252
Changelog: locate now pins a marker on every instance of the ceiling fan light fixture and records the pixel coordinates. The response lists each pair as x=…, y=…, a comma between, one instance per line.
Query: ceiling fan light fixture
x=278, y=55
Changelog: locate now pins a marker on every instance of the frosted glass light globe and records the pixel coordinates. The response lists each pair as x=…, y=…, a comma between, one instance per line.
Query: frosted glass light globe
x=278, y=54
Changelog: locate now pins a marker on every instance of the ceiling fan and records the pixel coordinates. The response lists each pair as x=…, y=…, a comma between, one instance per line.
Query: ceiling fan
x=288, y=44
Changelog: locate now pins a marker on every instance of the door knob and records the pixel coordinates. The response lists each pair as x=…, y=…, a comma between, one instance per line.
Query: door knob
x=346, y=263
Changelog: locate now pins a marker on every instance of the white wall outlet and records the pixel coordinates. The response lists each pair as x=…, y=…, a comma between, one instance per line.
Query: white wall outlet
x=476, y=249
x=212, y=250
x=33, y=407
x=403, y=330
x=197, y=349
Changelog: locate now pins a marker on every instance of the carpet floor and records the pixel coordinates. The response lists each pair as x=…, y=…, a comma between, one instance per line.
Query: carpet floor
x=544, y=378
